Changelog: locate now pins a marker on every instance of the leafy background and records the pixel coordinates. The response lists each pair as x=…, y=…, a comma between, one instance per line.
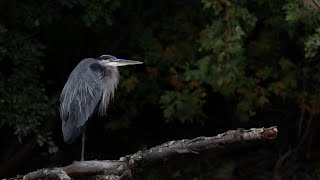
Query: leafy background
x=208, y=66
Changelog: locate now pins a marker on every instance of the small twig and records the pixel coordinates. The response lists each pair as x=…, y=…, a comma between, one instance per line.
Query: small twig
x=313, y=4
x=301, y=121
x=279, y=163
x=288, y=156
x=317, y=4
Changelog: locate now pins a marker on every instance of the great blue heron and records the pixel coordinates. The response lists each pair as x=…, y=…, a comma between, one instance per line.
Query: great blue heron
x=90, y=86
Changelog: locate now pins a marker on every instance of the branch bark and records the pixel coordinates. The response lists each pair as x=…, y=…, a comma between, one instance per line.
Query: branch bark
x=122, y=168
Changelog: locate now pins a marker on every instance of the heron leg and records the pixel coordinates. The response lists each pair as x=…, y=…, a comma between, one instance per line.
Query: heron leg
x=83, y=138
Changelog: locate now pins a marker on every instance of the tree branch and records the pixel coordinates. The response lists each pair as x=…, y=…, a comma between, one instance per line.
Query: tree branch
x=122, y=168
x=55, y=173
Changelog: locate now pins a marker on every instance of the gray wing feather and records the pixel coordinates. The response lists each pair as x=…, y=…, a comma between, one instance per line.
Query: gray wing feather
x=79, y=99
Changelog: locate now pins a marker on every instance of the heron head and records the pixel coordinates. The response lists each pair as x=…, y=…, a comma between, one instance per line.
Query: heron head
x=113, y=61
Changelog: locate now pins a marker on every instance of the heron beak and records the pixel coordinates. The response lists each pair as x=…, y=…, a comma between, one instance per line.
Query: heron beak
x=123, y=62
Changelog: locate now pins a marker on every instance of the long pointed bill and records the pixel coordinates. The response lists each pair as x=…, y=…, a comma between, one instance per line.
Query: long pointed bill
x=123, y=62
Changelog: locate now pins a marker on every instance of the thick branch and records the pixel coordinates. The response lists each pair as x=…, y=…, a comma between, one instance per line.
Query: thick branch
x=116, y=169
x=55, y=173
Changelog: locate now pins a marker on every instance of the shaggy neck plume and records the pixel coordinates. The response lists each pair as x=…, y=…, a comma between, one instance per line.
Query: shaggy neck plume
x=109, y=86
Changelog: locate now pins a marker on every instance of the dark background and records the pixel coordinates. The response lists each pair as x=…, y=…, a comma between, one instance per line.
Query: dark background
x=209, y=66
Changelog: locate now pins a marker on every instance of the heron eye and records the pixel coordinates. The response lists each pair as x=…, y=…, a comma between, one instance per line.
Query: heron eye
x=95, y=67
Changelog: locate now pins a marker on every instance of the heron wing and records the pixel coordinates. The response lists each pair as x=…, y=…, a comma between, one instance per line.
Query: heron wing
x=79, y=99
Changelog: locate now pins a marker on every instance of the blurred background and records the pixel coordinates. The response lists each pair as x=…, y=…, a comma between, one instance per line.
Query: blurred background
x=209, y=66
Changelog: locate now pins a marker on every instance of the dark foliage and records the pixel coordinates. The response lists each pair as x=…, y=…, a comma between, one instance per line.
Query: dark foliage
x=209, y=66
